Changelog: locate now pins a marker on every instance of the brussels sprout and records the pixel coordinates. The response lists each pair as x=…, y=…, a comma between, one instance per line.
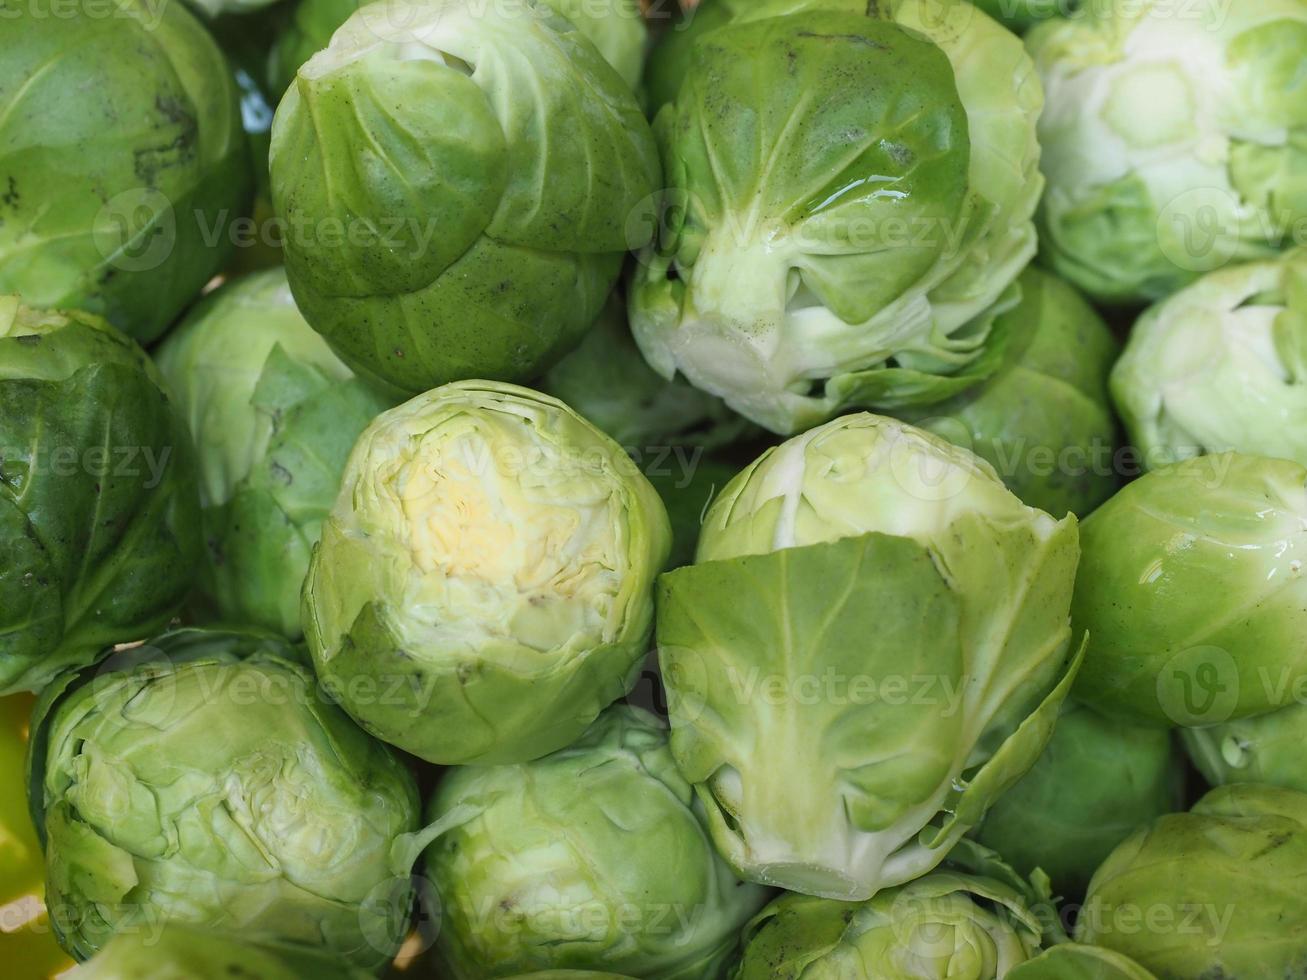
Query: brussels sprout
x=570, y=975
x=1096, y=783
x=863, y=648
x=1221, y=366
x=488, y=224
x=1044, y=421
x=483, y=587
x=1191, y=588
x=27, y=948
x=275, y=415
x=595, y=857
x=1073, y=962
x=205, y=780
x=1172, y=139
x=1265, y=749
x=614, y=27
x=99, y=523
x=121, y=158
x=788, y=281
x=1216, y=892
x=608, y=382
x=174, y=952
x=950, y=923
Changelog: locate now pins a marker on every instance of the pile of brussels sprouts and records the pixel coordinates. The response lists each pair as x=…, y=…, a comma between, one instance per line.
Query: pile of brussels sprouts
x=738, y=490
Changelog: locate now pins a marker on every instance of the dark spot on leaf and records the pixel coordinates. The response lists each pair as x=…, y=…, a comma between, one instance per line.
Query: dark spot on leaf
x=851, y=38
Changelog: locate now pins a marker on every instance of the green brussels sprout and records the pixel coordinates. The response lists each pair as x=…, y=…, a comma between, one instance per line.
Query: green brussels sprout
x=483, y=586
x=1044, y=421
x=275, y=414
x=488, y=223
x=1096, y=783
x=1191, y=588
x=175, y=952
x=123, y=158
x=951, y=923
x=1172, y=140
x=789, y=282
x=99, y=514
x=856, y=665
x=1264, y=749
x=204, y=779
x=1070, y=961
x=570, y=975
x=615, y=27
x=1216, y=892
x=608, y=381
x=595, y=857
x=1221, y=365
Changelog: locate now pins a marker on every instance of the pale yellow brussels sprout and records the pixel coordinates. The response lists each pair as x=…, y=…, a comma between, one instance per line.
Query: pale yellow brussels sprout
x=484, y=585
